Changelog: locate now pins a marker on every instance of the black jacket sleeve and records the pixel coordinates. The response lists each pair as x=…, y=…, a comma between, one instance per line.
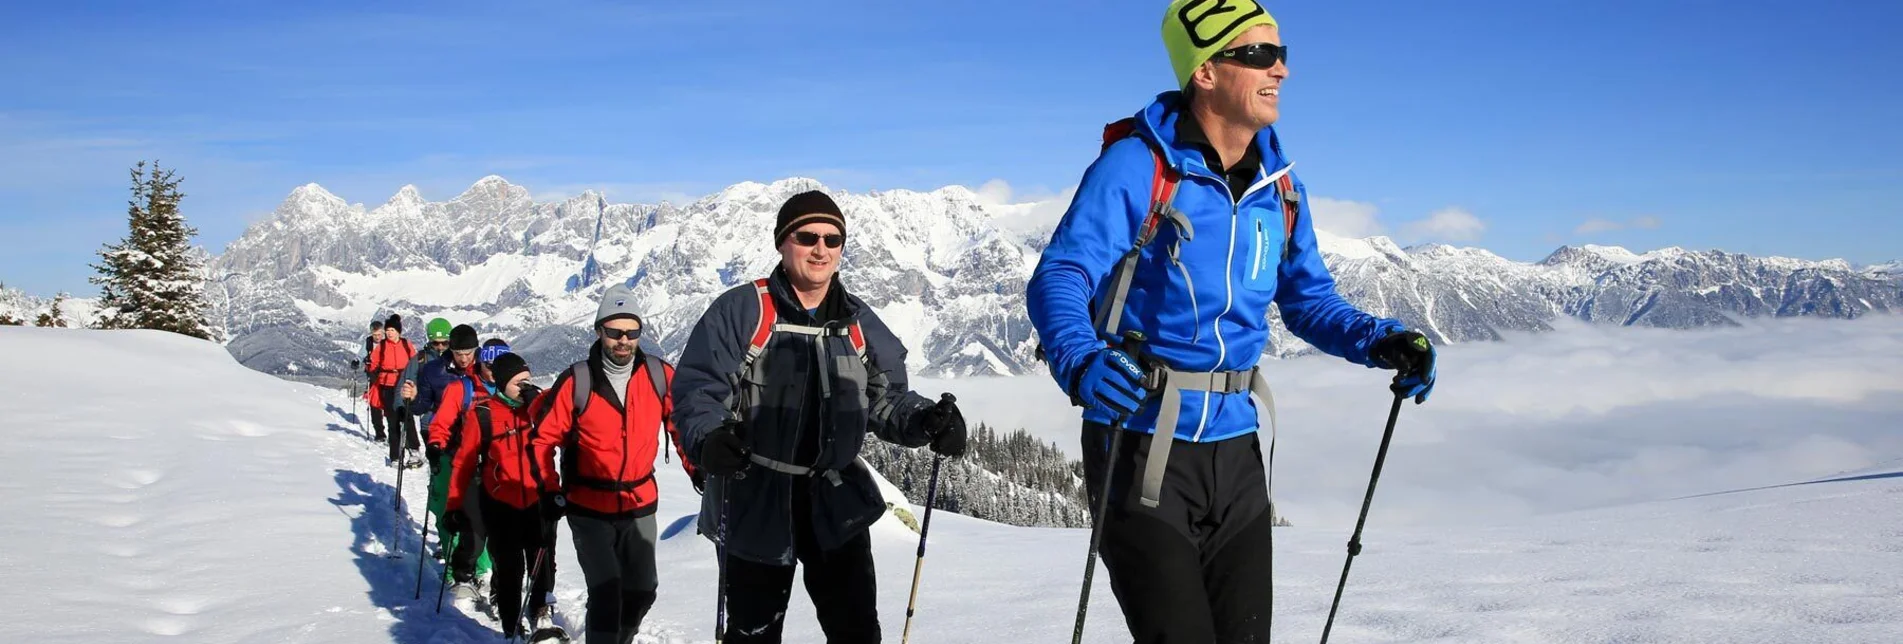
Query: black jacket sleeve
x=704, y=380
x=896, y=410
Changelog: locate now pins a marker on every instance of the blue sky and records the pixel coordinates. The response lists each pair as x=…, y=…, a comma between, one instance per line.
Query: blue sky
x=1748, y=126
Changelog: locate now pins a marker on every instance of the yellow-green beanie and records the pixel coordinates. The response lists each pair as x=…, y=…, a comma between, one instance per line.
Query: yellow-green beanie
x=1194, y=30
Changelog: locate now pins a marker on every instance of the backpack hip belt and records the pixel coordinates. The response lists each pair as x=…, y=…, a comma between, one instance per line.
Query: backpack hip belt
x=611, y=485
x=783, y=467
x=1221, y=382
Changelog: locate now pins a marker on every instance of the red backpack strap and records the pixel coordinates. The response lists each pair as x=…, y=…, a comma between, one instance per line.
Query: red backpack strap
x=1163, y=180
x=858, y=340
x=1291, y=208
x=763, y=328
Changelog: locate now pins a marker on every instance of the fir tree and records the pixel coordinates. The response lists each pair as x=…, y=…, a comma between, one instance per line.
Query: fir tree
x=151, y=280
x=8, y=320
x=53, y=317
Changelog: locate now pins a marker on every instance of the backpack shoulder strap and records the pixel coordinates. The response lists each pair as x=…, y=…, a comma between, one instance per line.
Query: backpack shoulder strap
x=763, y=327
x=584, y=385
x=657, y=375
x=1163, y=180
x=858, y=341
x=1291, y=208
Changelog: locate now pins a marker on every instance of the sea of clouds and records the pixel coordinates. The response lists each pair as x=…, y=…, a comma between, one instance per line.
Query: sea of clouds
x=1585, y=416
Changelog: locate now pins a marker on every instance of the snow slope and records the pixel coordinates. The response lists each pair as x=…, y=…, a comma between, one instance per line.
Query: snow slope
x=216, y=504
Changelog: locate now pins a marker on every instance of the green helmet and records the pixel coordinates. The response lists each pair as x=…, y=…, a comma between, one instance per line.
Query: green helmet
x=438, y=330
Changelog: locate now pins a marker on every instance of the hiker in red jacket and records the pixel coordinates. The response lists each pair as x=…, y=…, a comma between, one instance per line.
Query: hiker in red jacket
x=387, y=361
x=607, y=414
x=494, y=451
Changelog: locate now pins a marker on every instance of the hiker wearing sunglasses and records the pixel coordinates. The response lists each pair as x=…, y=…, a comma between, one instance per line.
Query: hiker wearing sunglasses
x=779, y=384
x=1187, y=228
x=609, y=414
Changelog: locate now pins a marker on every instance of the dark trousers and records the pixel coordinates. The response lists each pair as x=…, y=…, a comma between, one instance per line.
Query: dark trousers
x=399, y=421
x=520, y=543
x=841, y=583
x=617, y=563
x=1197, y=568
x=469, y=543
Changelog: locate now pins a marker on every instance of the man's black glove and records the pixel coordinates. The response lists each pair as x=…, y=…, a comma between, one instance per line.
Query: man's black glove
x=723, y=453
x=1412, y=355
x=434, y=454
x=456, y=521
x=699, y=479
x=554, y=507
x=946, y=426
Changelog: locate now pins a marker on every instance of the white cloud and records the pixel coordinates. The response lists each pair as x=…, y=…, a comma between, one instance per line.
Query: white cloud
x=1352, y=219
x=1582, y=417
x=1032, y=213
x=1448, y=224
x=1601, y=225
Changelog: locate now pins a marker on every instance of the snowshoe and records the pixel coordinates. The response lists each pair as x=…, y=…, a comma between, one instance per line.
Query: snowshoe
x=549, y=633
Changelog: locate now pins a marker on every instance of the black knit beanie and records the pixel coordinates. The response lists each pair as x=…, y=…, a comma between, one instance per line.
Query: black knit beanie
x=395, y=322
x=805, y=208
x=505, y=367
x=462, y=338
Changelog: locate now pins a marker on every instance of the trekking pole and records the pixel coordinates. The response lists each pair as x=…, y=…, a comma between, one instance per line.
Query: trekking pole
x=1133, y=344
x=397, y=435
x=931, y=494
x=720, y=554
x=528, y=589
x=442, y=581
x=424, y=544
x=1354, y=542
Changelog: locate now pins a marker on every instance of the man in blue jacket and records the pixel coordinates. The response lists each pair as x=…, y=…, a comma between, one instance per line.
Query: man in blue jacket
x=1186, y=229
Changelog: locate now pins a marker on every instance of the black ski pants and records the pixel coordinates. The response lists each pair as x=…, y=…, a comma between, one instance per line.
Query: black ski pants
x=841, y=583
x=469, y=543
x=1197, y=568
x=399, y=421
x=520, y=543
x=617, y=563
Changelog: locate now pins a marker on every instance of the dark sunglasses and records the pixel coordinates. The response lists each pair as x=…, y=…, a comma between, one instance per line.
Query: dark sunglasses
x=618, y=334
x=833, y=240
x=1261, y=55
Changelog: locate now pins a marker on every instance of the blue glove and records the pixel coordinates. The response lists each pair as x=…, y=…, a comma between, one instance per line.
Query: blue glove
x=1411, y=354
x=1110, y=380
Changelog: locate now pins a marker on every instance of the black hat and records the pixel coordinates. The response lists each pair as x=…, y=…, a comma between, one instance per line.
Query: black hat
x=506, y=366
x=395, y=322
x=462, y=338
x=805, y=208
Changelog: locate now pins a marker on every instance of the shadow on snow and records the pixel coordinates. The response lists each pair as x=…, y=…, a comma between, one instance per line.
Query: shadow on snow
x=379, y=531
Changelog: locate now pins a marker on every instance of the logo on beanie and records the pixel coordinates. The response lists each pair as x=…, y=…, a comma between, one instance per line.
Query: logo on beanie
x=1215, y=23
x=621, y=302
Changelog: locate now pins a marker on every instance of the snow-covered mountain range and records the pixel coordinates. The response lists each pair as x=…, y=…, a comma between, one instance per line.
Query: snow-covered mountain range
x=946, y=269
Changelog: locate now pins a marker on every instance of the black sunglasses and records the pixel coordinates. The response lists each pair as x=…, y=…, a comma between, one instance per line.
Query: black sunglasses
x=833, y=240
x=618, y=334
x=1262, y=55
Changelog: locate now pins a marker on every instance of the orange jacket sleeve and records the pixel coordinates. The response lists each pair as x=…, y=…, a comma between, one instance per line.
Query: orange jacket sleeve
x=554, y=422
x=442, y=424
x=462, y=465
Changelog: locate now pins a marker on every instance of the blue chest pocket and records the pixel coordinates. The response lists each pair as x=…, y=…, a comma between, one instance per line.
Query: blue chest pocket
x=1266, y=239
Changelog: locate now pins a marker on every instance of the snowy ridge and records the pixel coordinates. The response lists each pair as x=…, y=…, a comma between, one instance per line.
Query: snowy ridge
x=946, y=269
